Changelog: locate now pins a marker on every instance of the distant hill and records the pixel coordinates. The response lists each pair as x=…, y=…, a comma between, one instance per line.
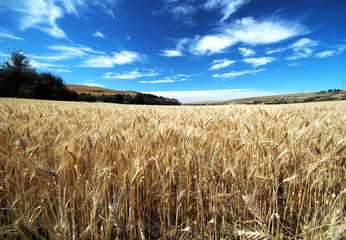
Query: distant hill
x=97, y=91
x=93, y=94
x=281, y=99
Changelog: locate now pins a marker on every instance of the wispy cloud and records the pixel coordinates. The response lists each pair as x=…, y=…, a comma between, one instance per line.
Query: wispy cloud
x=212, y=95
x=294, y=64
x=235, y=74
x=303, y=43
x=180, y=10
x=329, y=53
x=8, y=35
x=89, y=57
x=246, y=52
x=49, y=67
x=44, y=14
x=259, y=61
x=221, y=63
x=184, y=10
x=178, y=51
x=99, y=34
x=117, y=58
x=130, y=75
x=278, y=50
x=248, y=31
x=65, y=52
x=227, y=7
x=325, y=54
x=302, y=48
x=159, y=81
x=303, y=53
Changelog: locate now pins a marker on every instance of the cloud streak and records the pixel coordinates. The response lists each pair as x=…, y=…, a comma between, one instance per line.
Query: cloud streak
x=259, y=61
x=227, y=7
x=4, y=34
x=129, y=75
x=117, y=58
x=235, y=74
x=159, y=81
x=99, y=34
x=221, y=63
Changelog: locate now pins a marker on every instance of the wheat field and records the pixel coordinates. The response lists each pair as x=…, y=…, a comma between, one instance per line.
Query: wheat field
x=107, y=171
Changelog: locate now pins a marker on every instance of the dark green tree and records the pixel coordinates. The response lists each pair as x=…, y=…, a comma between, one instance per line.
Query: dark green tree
x=16, y=71
x=19, y=79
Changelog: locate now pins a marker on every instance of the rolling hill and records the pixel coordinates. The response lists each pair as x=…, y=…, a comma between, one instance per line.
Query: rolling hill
x=97, y=91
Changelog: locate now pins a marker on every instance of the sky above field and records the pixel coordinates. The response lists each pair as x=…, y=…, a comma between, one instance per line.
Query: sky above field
x=191, y=50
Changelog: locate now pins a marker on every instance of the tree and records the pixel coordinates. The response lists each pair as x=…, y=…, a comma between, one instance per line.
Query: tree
x=14, y=72
x=19, y=79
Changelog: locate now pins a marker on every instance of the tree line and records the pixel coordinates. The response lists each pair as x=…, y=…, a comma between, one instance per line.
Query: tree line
x=19, y=79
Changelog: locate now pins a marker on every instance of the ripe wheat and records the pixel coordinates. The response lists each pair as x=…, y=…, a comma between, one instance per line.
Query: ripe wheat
x=105, y=171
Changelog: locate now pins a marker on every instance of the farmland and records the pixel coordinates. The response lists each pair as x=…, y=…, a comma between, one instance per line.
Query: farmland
x=107, y=171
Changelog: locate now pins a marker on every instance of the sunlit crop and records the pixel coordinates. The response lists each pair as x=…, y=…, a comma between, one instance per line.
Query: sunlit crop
x=107, y=171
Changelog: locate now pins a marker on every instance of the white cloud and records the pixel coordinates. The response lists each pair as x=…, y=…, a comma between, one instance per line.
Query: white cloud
x=118, y=58
x=221, y=63
x=246, y=52
x=227, y=7
x=234, y=74
x=6, y=34
x=212, y=95
x=129, y=75
x=159, y=81
x=259, y=61
x=325, y=54
x=251, y=31
x=248, y=31
x=99, y=34
x=171, y=53
x=212, y=44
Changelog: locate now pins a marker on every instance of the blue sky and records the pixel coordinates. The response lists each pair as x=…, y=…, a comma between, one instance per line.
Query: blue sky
x=191, y=50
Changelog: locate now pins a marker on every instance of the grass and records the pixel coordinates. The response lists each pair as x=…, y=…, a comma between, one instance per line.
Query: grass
x=106, y=171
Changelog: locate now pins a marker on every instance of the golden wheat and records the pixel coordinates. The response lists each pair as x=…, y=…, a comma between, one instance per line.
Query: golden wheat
x=106, y=171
